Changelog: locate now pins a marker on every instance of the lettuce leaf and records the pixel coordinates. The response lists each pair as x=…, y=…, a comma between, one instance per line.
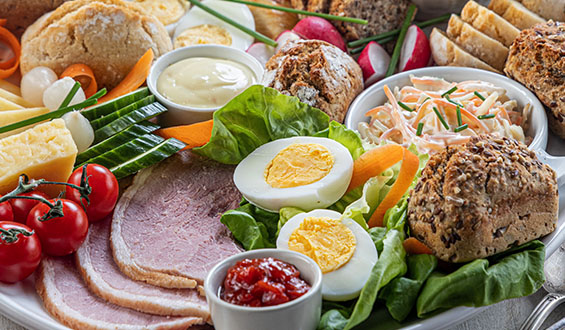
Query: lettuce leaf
x=348, y=138
x=511, y=274
x=255, y=117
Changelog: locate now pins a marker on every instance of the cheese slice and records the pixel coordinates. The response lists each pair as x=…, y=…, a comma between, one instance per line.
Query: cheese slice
x=13, y=116
x=46, y=151
x=7, y=95
x=10, y=87
x=8, y=105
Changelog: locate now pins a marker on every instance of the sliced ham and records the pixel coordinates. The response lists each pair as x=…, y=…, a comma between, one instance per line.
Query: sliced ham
x=98, y=269
x=166, y=228
x=67, y=298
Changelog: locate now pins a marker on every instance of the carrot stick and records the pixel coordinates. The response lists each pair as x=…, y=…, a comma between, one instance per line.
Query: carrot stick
x=375, y=111
x=84, y=75
x=413, y=246
x=373, y=163
x=194, y=135
x=135, y=78
x=7, y=68
x=408, y=170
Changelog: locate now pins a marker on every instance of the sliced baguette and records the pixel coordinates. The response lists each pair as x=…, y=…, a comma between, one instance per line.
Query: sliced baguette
x=446, y=52
x=515, y=13
x=477, y=43
x=489, y=23
x=548, y=9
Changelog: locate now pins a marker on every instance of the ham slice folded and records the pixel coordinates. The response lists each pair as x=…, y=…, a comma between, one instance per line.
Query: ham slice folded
x=98, y=269
x=166, y=229
x=67, y=298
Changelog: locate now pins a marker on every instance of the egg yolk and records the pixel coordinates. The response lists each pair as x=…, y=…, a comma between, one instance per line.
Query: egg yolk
x=327, y=241
x=299, y=164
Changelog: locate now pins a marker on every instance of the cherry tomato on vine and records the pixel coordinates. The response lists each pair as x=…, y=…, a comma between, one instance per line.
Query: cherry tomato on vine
x=20, y=251
x=21, y=207
x=103, y=196
x=59, y=236
x=6, y=211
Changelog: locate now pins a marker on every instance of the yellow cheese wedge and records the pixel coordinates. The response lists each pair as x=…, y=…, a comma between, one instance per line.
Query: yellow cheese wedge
x=8, y=105
x=7, y=95
x=46, y=151
x=14, y=116
x=10, y=87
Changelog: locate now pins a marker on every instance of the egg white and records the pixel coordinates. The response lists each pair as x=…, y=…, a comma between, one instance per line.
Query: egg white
x=249, y=177
x=237, y=12
x=346, y=282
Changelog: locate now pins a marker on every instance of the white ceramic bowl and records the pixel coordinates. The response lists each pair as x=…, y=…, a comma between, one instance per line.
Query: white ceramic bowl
x=374, y=96
x=181, y=114
x=302, y=313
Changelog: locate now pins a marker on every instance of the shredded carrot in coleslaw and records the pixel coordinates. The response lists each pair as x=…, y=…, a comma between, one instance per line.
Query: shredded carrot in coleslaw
x=450, y=114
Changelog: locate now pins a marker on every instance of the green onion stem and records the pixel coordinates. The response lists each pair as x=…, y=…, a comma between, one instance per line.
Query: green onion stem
x=420, y=128
x=441, y=119
x=394, y=33
x=491, y=115
x=70, y=96
x=381, y=42
x=479, y=95
x=405, y=107
x=228, y=20
x=400, y=41
x=461, y=128
x=449, y=91
x=450, y=100
x=459, y=119
x=302, y=12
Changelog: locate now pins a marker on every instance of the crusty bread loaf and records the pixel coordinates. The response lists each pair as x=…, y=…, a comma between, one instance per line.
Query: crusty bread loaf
x=537, y=60
x=107, y=35
x=482, y=198
x=489, y=23
x=548, y=9
x=477, y=43
x=446, y=52
x=318, y=73
x=272, y=22
x=515, y=13
x=21, y=13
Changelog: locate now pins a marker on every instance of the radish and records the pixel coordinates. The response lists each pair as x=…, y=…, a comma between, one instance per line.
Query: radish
x=374, y=61
x=415, y=52
x=318, y=28
x=285, y=37
x=261, y=51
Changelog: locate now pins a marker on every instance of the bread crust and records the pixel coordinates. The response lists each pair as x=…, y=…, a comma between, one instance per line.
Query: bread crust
x=515, y=13
x=123, y=34
x=22, y=13
x=537, y=60
x=318, y=73
x=482, y=198
x=489, y=23
x=548, y=9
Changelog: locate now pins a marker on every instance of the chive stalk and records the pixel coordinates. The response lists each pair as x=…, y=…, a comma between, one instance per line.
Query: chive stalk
x=70, y=96
x=420, y=128
x=451, y=101
x=394, y=33
x=479, y=95
x=449, y=92
x=400, y=41
x=230, y=21
x=441, y=119
x=459, y=119
x=360, y=49
x=405, y=107
x=461, y=128
x=490, y=115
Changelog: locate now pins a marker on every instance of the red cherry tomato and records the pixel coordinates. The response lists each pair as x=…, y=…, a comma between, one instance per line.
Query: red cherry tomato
x=21, y=207
x=6, y=212
x=103, y=196
x=20, y=251
x=59, y=236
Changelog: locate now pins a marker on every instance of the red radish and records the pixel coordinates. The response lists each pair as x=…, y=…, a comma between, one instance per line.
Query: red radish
x=415, y=52
x=261, y=51
x=284, y=37
x=374, y=61
x=318, y=28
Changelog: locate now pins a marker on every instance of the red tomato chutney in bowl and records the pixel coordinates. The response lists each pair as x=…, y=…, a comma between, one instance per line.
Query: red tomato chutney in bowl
x=262, y=282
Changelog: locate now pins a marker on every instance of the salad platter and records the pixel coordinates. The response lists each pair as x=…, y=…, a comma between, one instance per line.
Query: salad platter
x=276, y=164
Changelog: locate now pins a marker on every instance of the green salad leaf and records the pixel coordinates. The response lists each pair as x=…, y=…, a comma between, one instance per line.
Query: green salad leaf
x=515, y=273
x=348, y=138
x=256, y=116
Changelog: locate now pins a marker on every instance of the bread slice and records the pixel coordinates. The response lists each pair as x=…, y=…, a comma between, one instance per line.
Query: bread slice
x=515, y=13
x=477, y=43
x=548, y=9
x=446, y=52
x=489, y=23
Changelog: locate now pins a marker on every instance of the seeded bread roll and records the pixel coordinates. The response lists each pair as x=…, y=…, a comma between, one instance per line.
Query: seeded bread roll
x=537, y=60
x=515, y=13
x=107, y=35
x=482, y=198
x=477, y=43
x=318, y=73
x=489, y=23
x=21, y=13
x=446, y=52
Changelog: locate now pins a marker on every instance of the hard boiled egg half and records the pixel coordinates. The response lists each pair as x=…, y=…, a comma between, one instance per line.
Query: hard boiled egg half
x=214, y=30
x=341, y=247
x=304, y=172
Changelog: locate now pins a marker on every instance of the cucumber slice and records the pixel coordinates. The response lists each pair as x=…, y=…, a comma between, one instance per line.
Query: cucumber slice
x=156, y=154
x=134, y=117
x=105, y=120
x=115, y=104
x=115, y=141
x=127, y=151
